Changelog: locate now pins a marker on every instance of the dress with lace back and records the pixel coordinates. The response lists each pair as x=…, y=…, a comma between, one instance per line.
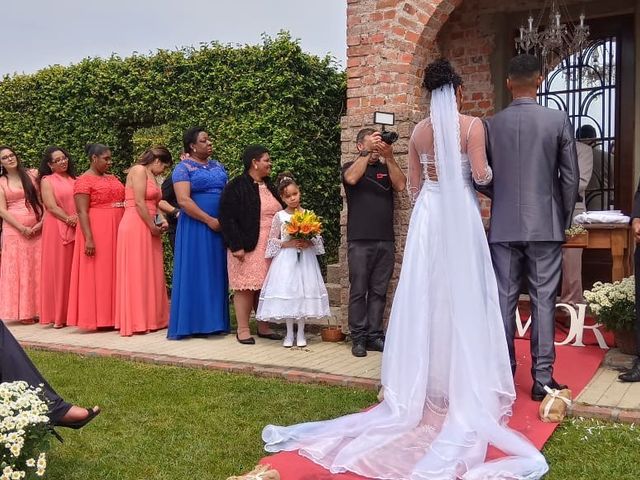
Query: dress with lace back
x=448, y=388
x=422, y=160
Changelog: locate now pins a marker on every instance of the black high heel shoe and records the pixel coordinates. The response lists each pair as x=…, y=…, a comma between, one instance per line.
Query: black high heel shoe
x=246, y=341
x=56, y=434
x=92, y=413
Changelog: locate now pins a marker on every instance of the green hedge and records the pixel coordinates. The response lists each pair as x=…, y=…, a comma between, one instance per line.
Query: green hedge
x=273, y=93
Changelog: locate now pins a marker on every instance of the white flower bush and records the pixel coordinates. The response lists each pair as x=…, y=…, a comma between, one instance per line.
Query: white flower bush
x=575, y=230
x=613, y=303
x=24, y=431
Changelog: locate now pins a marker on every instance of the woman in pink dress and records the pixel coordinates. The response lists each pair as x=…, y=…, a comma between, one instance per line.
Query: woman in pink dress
x=99, y=199
x=141, y=294
x=57, y=178
x=247, y=207
x=21, y=212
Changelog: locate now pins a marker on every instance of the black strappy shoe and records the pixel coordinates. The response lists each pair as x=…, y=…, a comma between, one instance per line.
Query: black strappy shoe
x=92, y=413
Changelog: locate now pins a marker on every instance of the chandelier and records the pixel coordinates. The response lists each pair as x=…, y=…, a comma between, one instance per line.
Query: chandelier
x=556, y=39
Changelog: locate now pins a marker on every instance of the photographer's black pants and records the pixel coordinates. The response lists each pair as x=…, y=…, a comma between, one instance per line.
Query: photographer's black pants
x=370, y=268
x=16, y=365
x=637, y=278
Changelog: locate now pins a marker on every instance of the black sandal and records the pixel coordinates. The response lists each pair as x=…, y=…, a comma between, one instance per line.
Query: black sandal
x=80, y=423
x=246, y=341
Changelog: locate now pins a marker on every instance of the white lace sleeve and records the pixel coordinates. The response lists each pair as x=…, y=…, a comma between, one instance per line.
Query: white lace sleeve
x=274, y=244
x=318, y=245
x=414, y=175
x=480, y=169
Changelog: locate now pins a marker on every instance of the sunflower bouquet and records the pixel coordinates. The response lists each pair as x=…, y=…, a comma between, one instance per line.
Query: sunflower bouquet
x=303, y=225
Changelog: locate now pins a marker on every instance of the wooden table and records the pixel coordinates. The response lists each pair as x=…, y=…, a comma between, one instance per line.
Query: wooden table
x=618, y=239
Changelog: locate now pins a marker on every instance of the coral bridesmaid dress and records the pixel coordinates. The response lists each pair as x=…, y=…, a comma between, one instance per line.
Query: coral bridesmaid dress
x=58, y=239
x=20, y=266
x=142, y=304
x=92, y=292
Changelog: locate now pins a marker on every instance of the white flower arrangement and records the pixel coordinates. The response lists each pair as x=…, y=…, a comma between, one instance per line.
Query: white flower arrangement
x=575, y=229
x=613, y=303
x=24, y=431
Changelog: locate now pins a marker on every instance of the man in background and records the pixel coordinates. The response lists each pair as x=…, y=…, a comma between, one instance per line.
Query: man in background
x=571, y=292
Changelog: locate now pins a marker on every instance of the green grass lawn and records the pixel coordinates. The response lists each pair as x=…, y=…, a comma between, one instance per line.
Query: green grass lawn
x=169, y=422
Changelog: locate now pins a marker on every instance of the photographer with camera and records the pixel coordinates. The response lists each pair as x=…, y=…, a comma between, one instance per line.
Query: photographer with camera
x=369, y=182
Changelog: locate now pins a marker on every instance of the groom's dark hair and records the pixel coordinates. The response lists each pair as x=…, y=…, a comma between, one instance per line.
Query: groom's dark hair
x=524, y=68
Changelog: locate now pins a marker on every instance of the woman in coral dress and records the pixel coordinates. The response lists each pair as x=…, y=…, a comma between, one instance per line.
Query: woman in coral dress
x=21, y=212
x=99, y=199
x=141, y=294
x=57, y=178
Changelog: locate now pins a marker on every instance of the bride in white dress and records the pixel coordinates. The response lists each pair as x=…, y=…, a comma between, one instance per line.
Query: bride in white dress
x=448, y=387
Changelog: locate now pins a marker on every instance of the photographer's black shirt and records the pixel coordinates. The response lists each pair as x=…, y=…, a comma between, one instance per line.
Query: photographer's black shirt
x=370, y=204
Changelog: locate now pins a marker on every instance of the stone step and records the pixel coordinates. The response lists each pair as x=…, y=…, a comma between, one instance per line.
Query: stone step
x=334, y=290
x=333, y=273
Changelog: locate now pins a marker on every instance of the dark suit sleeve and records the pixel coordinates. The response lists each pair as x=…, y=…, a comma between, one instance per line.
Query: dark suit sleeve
x=569, y=171
x=227, y=218
x=168, y=193
x=635, y=212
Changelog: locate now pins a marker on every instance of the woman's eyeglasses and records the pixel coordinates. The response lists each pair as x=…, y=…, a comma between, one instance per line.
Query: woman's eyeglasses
x=4, y=158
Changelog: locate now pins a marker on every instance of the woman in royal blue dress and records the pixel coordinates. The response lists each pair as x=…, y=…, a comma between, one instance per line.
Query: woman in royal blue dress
x=200, y=297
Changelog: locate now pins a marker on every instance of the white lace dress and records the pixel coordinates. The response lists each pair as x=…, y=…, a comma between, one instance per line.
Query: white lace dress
x=294, y=288
x=448, y=389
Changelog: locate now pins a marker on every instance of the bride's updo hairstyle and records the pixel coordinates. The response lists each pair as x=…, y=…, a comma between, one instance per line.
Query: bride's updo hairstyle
x=440, y=73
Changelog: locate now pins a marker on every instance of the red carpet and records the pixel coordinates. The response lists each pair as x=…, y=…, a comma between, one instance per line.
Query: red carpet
x=574, y=366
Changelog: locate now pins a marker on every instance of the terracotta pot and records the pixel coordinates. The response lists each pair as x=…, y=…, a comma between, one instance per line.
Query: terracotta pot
x=332, y=333
x=579, y=240
x=626, y=341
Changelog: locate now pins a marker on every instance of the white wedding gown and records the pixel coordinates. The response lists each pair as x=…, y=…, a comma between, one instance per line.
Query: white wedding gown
x=448, y=387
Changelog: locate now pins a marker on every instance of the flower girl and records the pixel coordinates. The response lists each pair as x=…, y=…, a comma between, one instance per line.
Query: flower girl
x=294, y=289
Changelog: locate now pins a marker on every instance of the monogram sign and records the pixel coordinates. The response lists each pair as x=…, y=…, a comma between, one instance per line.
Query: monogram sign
x=576, y=329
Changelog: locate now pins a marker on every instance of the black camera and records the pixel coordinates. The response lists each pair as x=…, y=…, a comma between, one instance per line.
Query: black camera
x=386, y=118
x=389, y=137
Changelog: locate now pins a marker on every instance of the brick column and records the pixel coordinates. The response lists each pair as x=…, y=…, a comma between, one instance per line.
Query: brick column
x=389, y=42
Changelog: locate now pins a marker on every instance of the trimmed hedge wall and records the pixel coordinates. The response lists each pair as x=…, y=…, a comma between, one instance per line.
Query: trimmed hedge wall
x=273, y=93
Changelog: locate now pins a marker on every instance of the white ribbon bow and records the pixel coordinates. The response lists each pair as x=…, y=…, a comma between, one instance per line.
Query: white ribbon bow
x=553, y=393
x=260, y=473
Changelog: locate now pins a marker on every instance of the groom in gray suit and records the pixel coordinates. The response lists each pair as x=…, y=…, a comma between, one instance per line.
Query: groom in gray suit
x=535, y=188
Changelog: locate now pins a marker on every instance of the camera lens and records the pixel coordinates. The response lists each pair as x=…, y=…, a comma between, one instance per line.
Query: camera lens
x=389, y=137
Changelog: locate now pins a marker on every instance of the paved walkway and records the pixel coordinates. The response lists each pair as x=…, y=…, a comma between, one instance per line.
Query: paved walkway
x=331, y=363
x=320, y=361
x=606, y=397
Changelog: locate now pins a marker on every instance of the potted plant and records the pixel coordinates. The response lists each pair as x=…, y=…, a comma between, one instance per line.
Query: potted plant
x=615, y=307
x=577, y=237
x=332, y=332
